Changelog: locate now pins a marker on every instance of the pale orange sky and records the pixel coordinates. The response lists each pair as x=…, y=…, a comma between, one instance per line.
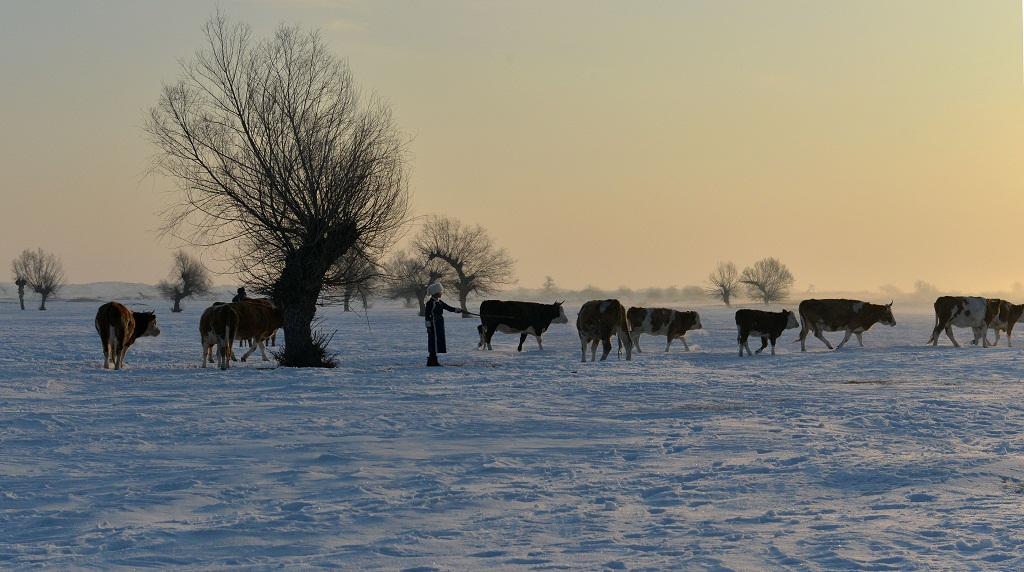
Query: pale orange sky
x=863, y=143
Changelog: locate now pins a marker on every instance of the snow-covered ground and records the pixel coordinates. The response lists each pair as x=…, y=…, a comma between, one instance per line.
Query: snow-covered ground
x=895, y=456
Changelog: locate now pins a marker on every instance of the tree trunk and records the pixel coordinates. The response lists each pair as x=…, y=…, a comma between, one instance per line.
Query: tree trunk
x=177, y=304
x=42, y=304
x=423, y=305
x=296, y=293
x=21, y=297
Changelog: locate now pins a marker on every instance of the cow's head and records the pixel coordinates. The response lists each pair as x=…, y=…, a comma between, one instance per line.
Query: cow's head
x=887, y=317
x=696, y=322
x=561, y=319
x=791, y=320
x=146, y=322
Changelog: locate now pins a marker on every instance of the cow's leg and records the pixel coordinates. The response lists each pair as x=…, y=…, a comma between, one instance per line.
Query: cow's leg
x=846, y=338
x=522, y=340
x=257, y=346
x=741, y=340
x=669, y=344
x=593, y=349
x=606, y=345
x=685, y=345
x=584, y=342
x=764, y=344
x=773, y=344
x=818, y=334
x=491, y=328
x=949, y=334
x=635, y=336
x=860, y=338
x=803, y=338
x=1009, y=331
x=981, y=333
x=540, y=345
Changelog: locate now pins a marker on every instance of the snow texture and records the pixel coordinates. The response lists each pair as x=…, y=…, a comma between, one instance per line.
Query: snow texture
x=895, y=456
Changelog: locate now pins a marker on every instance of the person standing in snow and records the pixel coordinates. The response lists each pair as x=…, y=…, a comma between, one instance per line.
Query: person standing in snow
x=240, y=295
x=434, y=313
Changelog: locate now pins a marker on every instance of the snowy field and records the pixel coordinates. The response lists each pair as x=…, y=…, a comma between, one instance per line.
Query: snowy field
x=895, y=456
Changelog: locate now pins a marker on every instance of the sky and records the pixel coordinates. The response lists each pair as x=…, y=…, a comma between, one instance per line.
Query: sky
x=865, y=144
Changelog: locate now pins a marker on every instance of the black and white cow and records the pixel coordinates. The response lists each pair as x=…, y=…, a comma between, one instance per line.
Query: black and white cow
x=1008, y=315
x=972, y=312
x=524, y=318
x=836, y=315
x=672, y=324
x=766, y=325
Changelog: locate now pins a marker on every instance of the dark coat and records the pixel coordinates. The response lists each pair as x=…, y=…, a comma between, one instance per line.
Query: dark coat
x=435, y=325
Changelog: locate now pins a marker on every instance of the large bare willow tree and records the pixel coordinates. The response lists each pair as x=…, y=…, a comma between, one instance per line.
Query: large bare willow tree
x=282, y=166
x=479, y=265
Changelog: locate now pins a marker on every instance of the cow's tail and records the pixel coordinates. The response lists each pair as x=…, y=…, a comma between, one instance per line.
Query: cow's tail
x=935, y=328
x=803, y=329
x=624, y=333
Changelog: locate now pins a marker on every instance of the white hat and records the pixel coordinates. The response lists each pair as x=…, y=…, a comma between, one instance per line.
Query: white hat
x=434, y=288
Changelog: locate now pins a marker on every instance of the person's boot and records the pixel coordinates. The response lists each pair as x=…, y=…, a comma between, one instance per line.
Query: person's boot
x=432, y=361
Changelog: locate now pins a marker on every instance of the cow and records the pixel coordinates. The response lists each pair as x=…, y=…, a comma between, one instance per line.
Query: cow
x=835, y=315
x=241, y=297
x=598, y=321
x=1008, y=315
x=672, y=324
x=257, y=321
x=119, y=327
x=223, y=323
x=524, y=318
x=964, y=312
x=766, y=325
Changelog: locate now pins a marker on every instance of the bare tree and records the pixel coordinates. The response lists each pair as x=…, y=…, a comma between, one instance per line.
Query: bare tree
x=767, y=280
x=408, y=275
x=40, y=271
x=723, y=283
x=20, y=282
x=282, y=165
x=188, y=278
x=479, y=266
x=362, y=278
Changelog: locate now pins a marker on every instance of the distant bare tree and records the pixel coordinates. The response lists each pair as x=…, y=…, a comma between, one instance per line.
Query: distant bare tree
x=767, y=280
x=479, y=266
x=40, y=271
x=408, y=275
x=723, y=283
x=188, y=278
x=362, y=278
x=20, y=282
x=280, y=162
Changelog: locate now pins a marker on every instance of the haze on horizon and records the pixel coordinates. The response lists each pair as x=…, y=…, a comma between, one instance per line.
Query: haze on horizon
x=864, y=144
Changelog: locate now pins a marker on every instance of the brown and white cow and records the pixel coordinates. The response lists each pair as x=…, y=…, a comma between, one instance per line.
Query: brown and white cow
x=119, y=327
x=598, y=321
x=223, y=323
x=257, y=321
x=1008, y=315
x=972, y=312
x=838, y=314
x=672, y=324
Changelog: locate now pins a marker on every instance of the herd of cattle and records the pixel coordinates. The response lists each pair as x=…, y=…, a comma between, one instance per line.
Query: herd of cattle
x=599, y=320
x=252, y=320
x=256, y=321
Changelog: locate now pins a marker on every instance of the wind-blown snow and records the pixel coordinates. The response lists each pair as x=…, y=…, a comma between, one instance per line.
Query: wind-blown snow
x=895, y=456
